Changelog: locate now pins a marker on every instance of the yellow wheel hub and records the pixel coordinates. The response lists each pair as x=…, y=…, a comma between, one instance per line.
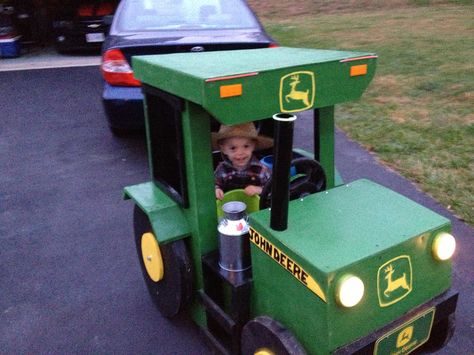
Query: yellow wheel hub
x=264, y=351
x=152, y=257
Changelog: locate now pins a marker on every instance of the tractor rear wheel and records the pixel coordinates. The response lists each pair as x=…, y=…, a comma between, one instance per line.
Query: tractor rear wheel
x=265, y=336
x=166, y=268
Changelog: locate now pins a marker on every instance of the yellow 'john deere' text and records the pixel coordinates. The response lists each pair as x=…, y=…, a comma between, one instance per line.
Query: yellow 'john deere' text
x=287, y=263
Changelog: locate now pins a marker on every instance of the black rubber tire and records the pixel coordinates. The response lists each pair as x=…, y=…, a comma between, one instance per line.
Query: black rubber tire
x=172, y=293
x=265, y=333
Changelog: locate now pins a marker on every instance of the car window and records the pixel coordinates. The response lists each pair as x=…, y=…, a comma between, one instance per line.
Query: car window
x=184, y=14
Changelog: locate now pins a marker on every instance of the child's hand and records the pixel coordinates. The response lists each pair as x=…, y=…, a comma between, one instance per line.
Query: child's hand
x=253, y=190
x=219, y=194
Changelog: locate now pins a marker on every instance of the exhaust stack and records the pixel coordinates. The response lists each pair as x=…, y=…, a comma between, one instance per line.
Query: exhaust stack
x=282, y=153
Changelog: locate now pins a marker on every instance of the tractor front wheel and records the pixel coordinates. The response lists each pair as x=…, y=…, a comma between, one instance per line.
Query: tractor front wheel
x=265, y=336
x=166, y=268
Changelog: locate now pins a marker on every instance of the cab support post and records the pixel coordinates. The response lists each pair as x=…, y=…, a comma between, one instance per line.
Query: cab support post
x=316, y=135
x=326, y=143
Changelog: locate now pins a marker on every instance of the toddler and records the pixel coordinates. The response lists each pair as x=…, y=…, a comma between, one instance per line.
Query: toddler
x=240, y=168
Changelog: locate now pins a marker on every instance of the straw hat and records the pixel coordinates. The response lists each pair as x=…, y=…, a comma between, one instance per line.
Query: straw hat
x=244, y=130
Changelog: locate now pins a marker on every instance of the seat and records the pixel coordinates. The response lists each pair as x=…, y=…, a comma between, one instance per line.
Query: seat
x=252, y=202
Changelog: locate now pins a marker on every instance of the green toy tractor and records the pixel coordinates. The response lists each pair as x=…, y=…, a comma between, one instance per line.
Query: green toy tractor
x=334, y=267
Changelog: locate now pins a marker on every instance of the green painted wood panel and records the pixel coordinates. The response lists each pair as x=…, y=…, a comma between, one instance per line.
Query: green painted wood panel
x=271, y=80
x=357, y=229
x=166, y=217
x=362, y=213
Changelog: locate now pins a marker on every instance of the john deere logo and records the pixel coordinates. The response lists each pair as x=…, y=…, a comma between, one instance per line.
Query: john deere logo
x=404, y=336
x=297, y=91
x=394, y=280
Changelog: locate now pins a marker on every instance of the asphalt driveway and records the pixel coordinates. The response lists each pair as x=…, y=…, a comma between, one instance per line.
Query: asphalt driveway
x=70, y=281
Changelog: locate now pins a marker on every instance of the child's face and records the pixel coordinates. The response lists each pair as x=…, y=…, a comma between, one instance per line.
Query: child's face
x=239, y=150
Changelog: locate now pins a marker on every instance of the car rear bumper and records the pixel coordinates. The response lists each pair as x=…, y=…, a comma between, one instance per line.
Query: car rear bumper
x=445, y=306
x=123, y=106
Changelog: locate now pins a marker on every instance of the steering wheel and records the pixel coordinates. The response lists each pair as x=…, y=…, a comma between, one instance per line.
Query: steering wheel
x=310, y=178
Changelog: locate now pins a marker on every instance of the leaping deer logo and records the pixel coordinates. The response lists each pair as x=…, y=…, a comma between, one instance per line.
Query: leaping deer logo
x=392, y=284
x=295, y=94
x=394, y=280
x=297, y=91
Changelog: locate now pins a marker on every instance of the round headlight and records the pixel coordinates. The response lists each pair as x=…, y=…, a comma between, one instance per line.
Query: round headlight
x=349, y=291
x=443, y=246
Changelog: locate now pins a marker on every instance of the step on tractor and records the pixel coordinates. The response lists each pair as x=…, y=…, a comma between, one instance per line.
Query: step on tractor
x=326, y=266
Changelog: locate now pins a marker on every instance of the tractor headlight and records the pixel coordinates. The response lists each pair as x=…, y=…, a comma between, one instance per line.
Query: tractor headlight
x=349, y=291
x=443, y=246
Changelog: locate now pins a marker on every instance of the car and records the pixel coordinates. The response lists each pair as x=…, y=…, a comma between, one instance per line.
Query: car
x=80, y=25
x=142, y=27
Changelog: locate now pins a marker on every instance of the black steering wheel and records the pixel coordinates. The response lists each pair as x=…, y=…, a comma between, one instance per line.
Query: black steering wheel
x=310, y=178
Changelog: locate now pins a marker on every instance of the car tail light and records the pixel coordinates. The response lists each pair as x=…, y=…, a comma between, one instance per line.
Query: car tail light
x=273, y=45
x=100, y=10
x=116, y=70
x=104, y=9
x=85, y=10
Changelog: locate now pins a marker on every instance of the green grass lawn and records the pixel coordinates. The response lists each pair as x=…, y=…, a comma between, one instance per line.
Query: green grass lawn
x=417, y=114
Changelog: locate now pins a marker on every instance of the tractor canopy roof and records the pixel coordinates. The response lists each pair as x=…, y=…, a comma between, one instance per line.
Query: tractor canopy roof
x=246, y=85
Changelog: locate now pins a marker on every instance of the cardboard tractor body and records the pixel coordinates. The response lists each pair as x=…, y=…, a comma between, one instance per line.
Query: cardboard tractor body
x=353, y=268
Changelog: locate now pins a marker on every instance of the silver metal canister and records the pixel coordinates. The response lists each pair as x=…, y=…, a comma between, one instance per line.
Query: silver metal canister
x=234, y=245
